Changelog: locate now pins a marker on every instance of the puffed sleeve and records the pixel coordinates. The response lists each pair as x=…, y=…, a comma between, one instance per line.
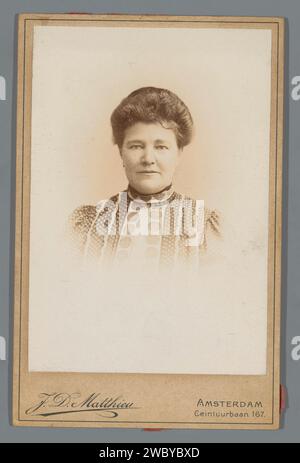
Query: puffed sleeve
x=79, y=224
x=211, y=225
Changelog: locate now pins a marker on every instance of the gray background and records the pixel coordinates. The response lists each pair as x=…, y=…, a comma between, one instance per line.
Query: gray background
x=290, y=9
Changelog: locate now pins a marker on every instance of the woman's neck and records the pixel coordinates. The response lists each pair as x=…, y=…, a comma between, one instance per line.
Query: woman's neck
x=161, y=195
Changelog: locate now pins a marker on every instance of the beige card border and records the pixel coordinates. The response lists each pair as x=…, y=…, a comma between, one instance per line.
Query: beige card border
x=185, y=388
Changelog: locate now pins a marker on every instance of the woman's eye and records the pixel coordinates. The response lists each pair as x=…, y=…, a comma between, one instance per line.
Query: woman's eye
x=161, y=147
x=135, y=147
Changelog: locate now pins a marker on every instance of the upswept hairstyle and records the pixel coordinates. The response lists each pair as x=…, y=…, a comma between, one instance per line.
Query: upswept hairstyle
x=152, y=105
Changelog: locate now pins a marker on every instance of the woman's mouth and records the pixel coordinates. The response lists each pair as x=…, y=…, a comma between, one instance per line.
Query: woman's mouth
x=147, y=172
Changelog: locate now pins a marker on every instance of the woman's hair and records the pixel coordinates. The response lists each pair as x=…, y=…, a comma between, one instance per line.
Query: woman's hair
x=152, y=105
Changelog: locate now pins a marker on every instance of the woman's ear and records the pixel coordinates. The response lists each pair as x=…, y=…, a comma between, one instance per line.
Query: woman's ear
x=179, y=154
x=121, y=156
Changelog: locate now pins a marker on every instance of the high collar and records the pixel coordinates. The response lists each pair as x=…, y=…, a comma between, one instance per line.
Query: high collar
x=158, y=197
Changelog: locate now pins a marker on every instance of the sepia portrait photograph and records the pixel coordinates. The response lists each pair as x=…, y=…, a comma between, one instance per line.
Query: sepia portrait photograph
x=149, y=173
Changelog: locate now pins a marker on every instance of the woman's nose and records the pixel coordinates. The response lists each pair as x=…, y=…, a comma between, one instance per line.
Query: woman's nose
x=148, y=156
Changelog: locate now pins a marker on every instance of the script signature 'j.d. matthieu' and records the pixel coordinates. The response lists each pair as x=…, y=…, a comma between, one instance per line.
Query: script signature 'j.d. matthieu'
x=64, y=403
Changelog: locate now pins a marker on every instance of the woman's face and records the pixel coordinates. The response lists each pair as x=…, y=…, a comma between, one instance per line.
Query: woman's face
x=150, y=156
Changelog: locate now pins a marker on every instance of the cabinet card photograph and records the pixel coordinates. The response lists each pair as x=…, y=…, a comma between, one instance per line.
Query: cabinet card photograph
x=148, y=221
